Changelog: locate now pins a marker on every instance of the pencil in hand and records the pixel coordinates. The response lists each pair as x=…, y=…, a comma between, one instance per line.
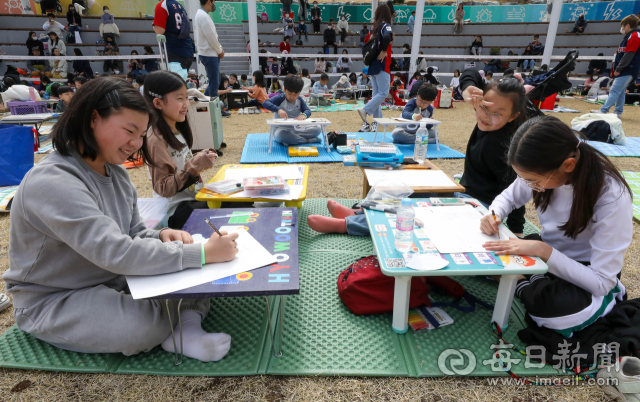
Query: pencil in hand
x=495, y=220
x=212, y=227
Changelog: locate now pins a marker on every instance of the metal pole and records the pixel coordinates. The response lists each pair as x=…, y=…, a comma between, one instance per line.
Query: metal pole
x=374, y=5
x=551, y=32
x=253, y=34
x=417, y=34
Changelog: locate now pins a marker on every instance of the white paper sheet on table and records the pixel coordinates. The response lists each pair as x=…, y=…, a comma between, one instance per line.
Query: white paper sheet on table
x=294, y=193
x=456, y=229
x=411, y=177
x=290, y=172
x=424, y=120
x=251, y=255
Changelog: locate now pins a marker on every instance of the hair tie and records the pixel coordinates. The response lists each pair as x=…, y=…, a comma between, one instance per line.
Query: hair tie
x=155, y=95
x=578, y=144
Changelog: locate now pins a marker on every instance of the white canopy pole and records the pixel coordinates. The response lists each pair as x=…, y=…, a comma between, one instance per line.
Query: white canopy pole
x=374, y=5
x=417, y=33
x=551, y=32
x=253, y=34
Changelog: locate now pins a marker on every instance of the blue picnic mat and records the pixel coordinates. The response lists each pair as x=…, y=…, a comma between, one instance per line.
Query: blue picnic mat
x=256, y=149
x=631, y=148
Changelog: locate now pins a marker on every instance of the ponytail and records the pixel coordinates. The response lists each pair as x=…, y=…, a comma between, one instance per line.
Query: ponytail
x=541, y=145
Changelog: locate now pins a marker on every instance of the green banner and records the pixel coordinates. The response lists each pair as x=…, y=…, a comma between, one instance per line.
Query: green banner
x=235, y=13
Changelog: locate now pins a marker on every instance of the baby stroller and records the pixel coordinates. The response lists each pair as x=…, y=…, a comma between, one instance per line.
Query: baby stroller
x=551, y=82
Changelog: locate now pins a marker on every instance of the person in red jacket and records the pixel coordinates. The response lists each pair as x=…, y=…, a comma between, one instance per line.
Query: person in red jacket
x=285, y=45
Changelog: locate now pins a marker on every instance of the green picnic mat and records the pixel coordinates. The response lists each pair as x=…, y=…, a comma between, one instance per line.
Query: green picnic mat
x=633, y=178
x=319, y=335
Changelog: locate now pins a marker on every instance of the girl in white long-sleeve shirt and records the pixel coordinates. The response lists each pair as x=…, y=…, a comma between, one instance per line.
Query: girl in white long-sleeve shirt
x=585, y=209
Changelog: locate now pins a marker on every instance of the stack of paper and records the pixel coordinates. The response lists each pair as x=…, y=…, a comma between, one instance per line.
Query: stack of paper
x=289, y=172
x=251, y=255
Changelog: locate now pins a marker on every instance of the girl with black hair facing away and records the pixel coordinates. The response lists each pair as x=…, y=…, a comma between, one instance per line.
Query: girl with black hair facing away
x=176, y=174
x=82, y=68
x=67, y=265
x=584, y=206
x=500, y=110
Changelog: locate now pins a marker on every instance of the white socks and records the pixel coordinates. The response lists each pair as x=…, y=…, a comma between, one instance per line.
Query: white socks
x=198, y=344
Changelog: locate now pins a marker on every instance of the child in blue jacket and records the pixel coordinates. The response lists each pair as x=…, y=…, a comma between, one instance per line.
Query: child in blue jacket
x=292, y=105
x=417, y=109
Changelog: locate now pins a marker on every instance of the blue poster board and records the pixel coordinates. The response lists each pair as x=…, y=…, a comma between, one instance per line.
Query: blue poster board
x=275, y=228
x=382, y=227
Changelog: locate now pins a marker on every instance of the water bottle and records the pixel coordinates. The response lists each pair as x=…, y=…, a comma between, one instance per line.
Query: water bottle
x=405, y=218
x=422, y=142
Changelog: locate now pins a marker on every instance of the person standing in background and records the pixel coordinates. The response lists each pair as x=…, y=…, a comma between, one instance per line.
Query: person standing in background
x=210, y=51
x=626, y=65
x=286, y=7
x=380, y=69
x=303, y=10
x=316, y=17
x=411, y=22
x=172, y=21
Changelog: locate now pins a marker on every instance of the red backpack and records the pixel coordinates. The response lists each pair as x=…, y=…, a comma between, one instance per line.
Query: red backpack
x=364, y=289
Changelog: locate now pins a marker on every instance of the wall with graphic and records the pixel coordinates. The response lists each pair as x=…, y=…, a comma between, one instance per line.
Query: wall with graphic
x=234, y=13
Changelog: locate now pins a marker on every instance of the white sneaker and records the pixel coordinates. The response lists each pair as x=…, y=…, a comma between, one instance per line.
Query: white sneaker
x=598, y=111
x=364, y=128
x=619, y=115
x=363, y=115
x=5, y=302
x=374, y=127
x=623, y=384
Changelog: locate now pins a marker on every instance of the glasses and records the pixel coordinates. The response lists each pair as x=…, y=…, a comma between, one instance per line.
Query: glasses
x=535, y=186
x=487, y=117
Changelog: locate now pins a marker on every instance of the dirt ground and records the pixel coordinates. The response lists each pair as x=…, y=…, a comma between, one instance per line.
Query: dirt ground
x=330, y=180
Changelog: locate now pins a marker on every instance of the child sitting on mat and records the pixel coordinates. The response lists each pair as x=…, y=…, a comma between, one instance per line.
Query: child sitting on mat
x=68, y=261
x=585, y=208
x=292, y=105
x=258, y=93
x=176, y=173
x=319, y=88
x=500, y=110
x=417, y=109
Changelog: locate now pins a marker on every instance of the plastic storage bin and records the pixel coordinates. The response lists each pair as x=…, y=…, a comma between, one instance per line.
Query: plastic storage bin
x=28, y=107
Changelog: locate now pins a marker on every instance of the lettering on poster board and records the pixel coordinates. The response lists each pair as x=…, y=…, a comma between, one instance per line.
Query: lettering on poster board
x=282, y=243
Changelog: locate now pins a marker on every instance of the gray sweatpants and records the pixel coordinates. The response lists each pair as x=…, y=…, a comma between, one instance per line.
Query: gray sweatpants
x=103, y=320
x=296, y=135
x=401, y=136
